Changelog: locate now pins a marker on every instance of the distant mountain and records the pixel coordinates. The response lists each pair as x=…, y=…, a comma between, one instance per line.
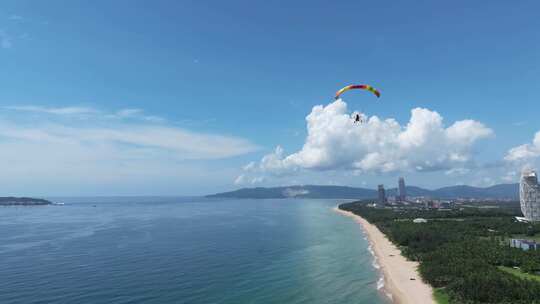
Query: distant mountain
x=503, y=191
x=309, y=191
x=497, y=191
x=411, y=191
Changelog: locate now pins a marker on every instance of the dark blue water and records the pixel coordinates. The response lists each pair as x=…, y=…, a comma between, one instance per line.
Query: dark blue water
x=178, y=250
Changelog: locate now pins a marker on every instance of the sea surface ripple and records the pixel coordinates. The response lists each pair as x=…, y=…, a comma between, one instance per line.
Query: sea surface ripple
x=183, y=250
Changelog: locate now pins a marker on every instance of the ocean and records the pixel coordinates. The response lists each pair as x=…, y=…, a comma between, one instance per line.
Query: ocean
x=184, y=250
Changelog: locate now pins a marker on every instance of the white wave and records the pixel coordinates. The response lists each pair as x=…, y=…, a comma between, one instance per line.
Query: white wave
x=380, y=283
x=380, y=287
x=370, y=249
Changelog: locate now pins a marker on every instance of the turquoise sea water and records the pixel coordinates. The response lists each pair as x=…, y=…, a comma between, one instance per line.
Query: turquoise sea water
x=184, y=250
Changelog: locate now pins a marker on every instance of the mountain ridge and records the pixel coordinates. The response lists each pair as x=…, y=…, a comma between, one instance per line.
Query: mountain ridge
x=500, y=191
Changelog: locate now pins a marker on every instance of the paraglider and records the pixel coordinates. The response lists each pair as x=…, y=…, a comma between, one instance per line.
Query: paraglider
x=358, y=118
x=358, y=86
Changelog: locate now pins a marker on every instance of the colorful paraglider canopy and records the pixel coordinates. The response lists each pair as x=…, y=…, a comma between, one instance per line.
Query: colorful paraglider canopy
x=358, y=86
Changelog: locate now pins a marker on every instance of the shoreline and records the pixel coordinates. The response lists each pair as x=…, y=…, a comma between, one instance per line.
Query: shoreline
x=395, y=269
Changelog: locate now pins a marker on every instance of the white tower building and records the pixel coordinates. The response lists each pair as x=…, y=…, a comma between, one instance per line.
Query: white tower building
x=529, y=196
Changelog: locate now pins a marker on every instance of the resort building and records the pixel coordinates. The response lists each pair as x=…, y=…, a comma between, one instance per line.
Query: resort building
x=382, y=195
x=524, y=244
x=529, y=196
x=402, y=191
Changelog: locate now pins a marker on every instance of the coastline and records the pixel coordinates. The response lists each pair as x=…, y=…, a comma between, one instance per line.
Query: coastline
x=396, y=270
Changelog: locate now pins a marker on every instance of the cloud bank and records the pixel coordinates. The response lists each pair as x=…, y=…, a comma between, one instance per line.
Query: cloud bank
x=335, y=142
x=86, y=146
x=123, y=131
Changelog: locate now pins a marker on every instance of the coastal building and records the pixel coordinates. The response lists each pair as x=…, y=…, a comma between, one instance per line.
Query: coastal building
x=529, y=196
x=402, y=191
x=431, y=204
x=447, y=205
x=382, y=195
x=524, y=244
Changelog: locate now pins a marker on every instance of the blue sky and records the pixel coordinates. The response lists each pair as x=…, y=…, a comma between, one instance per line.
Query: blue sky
x=201, y=89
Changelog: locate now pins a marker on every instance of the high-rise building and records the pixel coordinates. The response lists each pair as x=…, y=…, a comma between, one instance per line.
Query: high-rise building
x=382, y=195
x=529, y=195
x=402, y=192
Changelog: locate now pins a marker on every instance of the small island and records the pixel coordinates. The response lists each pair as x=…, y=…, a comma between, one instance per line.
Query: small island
x=23, y=201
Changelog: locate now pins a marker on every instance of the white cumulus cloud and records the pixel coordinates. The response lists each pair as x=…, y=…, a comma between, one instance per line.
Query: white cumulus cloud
x=526, y=152
x=335, y=142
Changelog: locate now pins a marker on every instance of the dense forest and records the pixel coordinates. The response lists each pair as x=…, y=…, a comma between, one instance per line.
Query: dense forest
x=464, y=253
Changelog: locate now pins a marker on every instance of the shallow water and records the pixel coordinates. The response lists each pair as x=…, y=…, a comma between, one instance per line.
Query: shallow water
x=184, y=250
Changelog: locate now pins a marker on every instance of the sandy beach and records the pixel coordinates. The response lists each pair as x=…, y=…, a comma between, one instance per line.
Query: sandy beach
x=397, y=271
